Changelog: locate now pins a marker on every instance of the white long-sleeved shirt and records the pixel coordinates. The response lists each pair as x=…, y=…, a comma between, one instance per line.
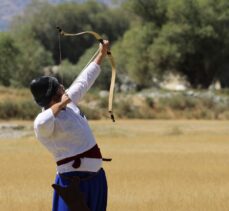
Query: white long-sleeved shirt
x=68, y=133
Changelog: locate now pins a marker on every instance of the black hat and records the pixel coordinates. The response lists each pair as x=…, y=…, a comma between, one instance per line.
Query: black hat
x=43, y=89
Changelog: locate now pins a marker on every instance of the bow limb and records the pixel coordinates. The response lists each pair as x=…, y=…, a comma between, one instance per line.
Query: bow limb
x=112, y=62
x=95, y=34
x=112, y=86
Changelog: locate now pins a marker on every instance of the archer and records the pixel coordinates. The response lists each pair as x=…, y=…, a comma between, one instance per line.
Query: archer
x=80, y=183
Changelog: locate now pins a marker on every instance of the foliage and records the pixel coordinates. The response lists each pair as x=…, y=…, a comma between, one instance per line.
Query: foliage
x=68, y=72
x=73, y=18
x=149, y=39
x=21, y=60
x=18, y=104
x=185, y=29
x=132, y=52
x=31, y=61
x=8, y=62
x=25, y=109
x=149, y=10
x=91, y=113
x=36, y=37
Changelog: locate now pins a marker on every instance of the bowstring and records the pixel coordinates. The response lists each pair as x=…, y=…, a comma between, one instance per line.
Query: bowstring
x=92, y=58
x=77, y=34
x=60, y=58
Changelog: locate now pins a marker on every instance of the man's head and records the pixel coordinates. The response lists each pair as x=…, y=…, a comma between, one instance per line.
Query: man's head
x=46, y=89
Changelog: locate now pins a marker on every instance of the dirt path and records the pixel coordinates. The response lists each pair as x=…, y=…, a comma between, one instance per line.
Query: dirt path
x=10, y=130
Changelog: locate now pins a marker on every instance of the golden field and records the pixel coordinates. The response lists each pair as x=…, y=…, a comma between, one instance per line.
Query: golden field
x=157, y=166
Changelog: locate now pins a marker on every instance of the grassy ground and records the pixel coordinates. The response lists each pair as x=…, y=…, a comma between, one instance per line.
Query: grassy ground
x=157, y=166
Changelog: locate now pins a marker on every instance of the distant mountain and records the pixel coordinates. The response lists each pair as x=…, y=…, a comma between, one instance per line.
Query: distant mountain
x=10, y=8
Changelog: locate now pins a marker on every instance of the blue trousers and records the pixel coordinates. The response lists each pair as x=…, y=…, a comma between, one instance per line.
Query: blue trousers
x=94, y=190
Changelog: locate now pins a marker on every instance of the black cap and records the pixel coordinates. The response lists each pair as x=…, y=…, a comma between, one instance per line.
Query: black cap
x=43, y=89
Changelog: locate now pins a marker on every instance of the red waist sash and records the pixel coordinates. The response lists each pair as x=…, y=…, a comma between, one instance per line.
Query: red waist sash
x=94, y=152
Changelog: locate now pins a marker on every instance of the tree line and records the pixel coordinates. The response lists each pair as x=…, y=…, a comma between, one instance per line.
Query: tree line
x=148, y=39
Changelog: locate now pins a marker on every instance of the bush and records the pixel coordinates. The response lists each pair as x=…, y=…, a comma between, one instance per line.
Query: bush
x=26, y=109
x=18, y=104
x=178, y=102
x=90, y=113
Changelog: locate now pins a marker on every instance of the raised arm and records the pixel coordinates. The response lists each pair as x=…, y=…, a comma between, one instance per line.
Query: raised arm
x=87, y=78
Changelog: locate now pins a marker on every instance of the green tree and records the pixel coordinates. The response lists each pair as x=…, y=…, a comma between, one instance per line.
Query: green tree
x=133, y=56
x=192, y=38
x=73, y=18
x=31, y=61
x=149, y=10
x=8, y=58
x=203, y=41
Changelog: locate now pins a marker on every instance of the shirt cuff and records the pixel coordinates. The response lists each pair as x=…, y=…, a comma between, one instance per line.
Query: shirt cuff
x=95, y=64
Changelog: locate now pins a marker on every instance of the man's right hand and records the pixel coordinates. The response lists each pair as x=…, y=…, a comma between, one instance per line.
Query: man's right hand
x=65, y=100
x=56, y=108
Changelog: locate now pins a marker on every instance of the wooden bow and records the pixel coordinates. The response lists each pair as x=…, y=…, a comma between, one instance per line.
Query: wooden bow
x=111, y=59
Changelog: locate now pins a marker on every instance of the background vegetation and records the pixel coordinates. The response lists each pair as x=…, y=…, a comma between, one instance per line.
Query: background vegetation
x=18, y=104
x=149, y=39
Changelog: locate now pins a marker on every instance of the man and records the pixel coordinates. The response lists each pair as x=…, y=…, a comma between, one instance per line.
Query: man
x=61, y=127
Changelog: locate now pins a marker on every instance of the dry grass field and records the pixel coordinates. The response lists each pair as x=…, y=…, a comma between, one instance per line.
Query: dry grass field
x=157, y=166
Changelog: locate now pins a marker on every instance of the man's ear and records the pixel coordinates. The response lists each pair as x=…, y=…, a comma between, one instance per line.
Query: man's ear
x=55, y=99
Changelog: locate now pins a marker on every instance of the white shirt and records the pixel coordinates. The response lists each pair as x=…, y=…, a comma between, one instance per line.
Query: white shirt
x=68, y=133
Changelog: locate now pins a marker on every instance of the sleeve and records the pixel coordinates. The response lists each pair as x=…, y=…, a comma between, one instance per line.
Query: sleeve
x=44, y=124
x=84, y=82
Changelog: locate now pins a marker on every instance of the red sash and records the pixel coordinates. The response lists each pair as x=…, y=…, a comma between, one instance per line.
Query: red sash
x=94, y=152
